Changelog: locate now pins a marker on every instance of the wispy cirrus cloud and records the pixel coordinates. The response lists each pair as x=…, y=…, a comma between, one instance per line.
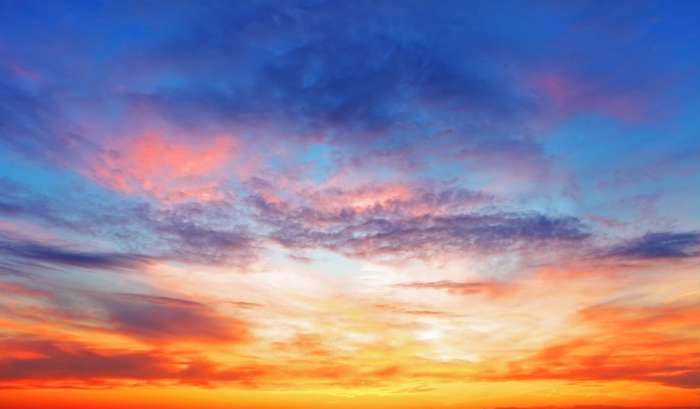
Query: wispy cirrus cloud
x=493, y=288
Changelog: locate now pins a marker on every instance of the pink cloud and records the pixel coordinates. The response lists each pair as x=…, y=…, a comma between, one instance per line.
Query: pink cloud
x=364, y=199
x=164, y=168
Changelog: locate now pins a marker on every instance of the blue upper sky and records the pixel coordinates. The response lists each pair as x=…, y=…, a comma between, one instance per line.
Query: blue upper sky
x=582, y=111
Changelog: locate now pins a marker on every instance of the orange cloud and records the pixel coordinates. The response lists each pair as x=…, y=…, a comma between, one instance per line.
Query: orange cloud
x=491, y=288
x=651, y=344
x=35, y=362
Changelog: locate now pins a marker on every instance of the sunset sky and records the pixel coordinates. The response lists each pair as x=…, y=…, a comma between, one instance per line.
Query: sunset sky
x=349, y=204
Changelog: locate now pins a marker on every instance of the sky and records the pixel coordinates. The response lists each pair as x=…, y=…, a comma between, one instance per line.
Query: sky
x=363, y=204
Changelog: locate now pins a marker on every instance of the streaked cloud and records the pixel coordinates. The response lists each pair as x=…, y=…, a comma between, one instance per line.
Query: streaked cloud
x=659, y=245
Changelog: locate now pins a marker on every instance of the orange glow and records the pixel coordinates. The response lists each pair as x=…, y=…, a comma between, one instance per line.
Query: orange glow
x=301, y=204
x=342, y=349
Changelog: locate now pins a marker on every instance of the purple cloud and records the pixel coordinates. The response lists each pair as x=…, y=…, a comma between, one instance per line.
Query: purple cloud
x=659, y=246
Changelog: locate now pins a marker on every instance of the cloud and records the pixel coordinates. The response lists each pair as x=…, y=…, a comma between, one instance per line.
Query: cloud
x=26, y=251
x=147, y=318
x=32, y=124
x=200, y=233
x=390, y=232
x=169, y=170
x=296, y=84
x=394, y=199
x=20, y=290
x=19, y=201
x=627, y=343
x=464, y=288
x=187, y=231
x=574, y=96
x=36, y=362
x=316, y=80
x=660, y=245
x=168, y=320
x=410, y=310
x=49, y=360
